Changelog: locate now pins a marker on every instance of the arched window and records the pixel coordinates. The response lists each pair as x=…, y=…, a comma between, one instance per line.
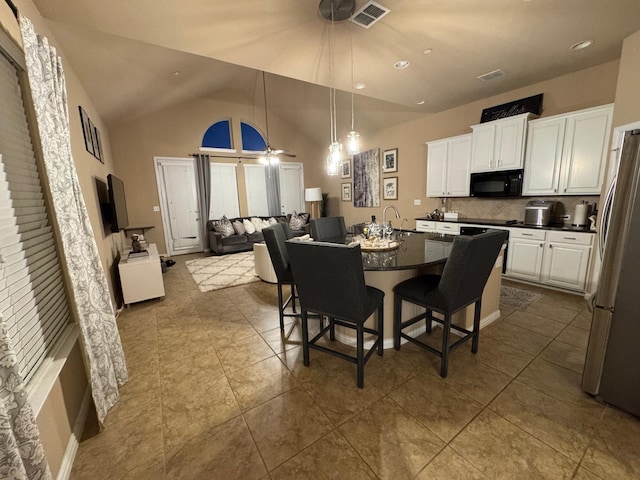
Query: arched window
x=218, y=136
x=252, y=139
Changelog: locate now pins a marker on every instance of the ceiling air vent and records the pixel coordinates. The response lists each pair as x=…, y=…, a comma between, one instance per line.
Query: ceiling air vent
x=369, y=14
x=491, y=75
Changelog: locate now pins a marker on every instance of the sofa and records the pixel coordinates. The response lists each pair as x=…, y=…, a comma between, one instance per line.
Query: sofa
x=236, y=235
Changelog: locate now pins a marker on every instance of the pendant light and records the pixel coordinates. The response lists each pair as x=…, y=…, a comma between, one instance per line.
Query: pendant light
x=353, y=138
x=334, y=160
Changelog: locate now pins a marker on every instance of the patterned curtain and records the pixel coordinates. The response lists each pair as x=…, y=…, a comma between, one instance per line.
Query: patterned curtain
x=90, y=292
x=204, y=189
x=21, y=453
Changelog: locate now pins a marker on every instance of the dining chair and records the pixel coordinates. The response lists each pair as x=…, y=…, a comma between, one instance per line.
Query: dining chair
x=275, y=237
x=461, y=284
x=328, y=229
x=330, y=282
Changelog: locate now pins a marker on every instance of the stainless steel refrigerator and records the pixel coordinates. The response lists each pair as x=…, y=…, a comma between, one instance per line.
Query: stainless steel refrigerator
x=612, y=365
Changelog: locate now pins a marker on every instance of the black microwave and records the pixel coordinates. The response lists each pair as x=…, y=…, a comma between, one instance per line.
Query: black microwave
x=505, y=183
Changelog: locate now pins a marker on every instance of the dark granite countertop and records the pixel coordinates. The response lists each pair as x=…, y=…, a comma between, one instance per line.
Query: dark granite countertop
x=508, y=223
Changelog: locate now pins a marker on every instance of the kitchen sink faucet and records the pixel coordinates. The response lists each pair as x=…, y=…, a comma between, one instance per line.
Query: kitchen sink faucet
x=384, y=213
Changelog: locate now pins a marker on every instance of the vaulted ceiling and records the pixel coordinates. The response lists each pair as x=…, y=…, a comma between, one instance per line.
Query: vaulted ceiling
x=126, y=52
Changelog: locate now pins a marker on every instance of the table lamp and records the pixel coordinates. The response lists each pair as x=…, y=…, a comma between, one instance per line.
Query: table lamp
x=313, y=196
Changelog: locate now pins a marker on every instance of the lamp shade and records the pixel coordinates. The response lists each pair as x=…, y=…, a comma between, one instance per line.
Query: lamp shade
x=313, y=194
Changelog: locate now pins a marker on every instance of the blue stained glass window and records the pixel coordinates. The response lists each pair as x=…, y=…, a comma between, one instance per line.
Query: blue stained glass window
x=251, y=139
x=218, y=135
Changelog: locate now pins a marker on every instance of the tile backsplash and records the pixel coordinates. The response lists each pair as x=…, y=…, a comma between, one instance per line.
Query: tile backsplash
x=510, y=208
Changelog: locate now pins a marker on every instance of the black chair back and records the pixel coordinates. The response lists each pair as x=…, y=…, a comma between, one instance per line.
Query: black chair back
x=275, y=237
x=328, y=229
x=329, y=278
x=469, y=266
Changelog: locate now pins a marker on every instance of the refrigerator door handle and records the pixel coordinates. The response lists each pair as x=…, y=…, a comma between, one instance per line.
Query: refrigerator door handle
x=606, y=216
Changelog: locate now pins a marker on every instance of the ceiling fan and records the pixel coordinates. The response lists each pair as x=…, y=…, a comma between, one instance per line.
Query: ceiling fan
x=270, y=156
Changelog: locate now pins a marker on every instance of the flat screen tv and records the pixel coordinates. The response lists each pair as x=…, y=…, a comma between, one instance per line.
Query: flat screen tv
x=119, y=217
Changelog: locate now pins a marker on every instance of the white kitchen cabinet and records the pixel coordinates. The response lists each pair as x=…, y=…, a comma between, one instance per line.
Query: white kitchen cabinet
x=427, y=226
x=499, y=145
x=141, y=278
x=448, y=167
x=525, y=254
x=566, y=259
x=566, y=154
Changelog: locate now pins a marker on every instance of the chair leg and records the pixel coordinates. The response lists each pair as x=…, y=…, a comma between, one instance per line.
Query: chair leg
x=476, y=327
x=397, y=320
x=280, y=309
x=446, y=330
x=293, y=297
x=305, y=339
x=332, y=329
x=428, y=320
x=360, y=355
x=381, y=329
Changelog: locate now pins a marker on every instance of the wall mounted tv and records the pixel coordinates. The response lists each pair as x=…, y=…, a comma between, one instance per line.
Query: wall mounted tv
x=118, y=203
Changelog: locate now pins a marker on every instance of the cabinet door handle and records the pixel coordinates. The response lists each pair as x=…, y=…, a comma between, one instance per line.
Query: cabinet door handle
x=541, y=245
x=550, y=246
x=555, y=190
x=565, y=190
x=527, y=234
x=569, y=238
x=498, y=163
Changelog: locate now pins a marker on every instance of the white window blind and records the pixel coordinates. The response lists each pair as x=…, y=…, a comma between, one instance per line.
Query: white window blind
x=224, y=191
x=33, y=303
x=257, y=203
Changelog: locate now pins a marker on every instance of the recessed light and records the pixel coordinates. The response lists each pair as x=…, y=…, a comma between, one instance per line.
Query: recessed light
x=427, y=51
x=419, y=102
x=176, y=73
x=402, y=64
x=359, y=86
x=581, y=45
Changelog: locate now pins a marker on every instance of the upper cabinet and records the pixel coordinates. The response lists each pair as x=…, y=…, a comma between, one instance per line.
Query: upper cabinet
x=566, y=154
x=499, y=145
x=448, y=167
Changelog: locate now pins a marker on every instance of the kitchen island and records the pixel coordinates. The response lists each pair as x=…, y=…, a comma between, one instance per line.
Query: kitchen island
x=417, y=254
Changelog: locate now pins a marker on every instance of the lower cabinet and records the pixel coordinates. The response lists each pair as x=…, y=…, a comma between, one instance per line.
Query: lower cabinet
x=556, y=258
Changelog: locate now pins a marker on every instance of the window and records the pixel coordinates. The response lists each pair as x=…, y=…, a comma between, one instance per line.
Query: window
x=256, y=182
x=224, y=191
x=218, y=136
x=252, y=140
x=33, y=302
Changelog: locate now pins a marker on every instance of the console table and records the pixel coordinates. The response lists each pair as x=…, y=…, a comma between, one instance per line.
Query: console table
x=141, y=278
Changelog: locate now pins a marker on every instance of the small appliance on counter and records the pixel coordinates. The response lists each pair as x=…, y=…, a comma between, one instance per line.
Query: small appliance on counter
x=581, y=214
x=540, y=213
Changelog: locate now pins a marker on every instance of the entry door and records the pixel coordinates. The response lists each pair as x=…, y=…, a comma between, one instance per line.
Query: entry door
x=291, y=188
x=179, y=197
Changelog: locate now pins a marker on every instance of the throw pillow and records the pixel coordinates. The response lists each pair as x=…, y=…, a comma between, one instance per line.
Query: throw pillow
x=296, y=222
x=224, y=227
x=248, y=226
x=265, y=223
x=273, y=221
x=238, y=227
x=257, y=223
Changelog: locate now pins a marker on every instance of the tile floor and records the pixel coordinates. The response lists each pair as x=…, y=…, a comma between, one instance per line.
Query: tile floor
x=214, y=393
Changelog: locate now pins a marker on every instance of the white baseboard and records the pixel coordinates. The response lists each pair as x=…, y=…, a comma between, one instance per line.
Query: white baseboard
x=76, y=434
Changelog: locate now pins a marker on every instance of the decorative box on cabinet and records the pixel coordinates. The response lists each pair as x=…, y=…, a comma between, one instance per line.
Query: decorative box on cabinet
x=499, y=145
x=141, y=278
x=448, y=167
x=566, y=154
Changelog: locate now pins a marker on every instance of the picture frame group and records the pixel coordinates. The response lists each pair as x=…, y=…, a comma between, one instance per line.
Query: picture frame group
x=92, y=141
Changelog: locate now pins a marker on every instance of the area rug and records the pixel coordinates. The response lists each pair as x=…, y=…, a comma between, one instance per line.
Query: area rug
x=215, y=273
x=517, y=298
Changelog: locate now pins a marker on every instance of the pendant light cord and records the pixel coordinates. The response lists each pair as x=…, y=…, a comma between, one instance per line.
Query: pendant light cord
x=266, y=117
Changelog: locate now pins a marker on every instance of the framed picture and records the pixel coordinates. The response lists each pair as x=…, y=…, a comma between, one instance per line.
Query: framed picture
x=86, y=130
x=346, y=169
x=390, y=188
x=346, y=192
x=390, y=161
x=97, y=144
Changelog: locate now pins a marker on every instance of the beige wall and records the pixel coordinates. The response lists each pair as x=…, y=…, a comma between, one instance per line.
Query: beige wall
x=627, y=102
x=177, y=132
x=586, y=88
